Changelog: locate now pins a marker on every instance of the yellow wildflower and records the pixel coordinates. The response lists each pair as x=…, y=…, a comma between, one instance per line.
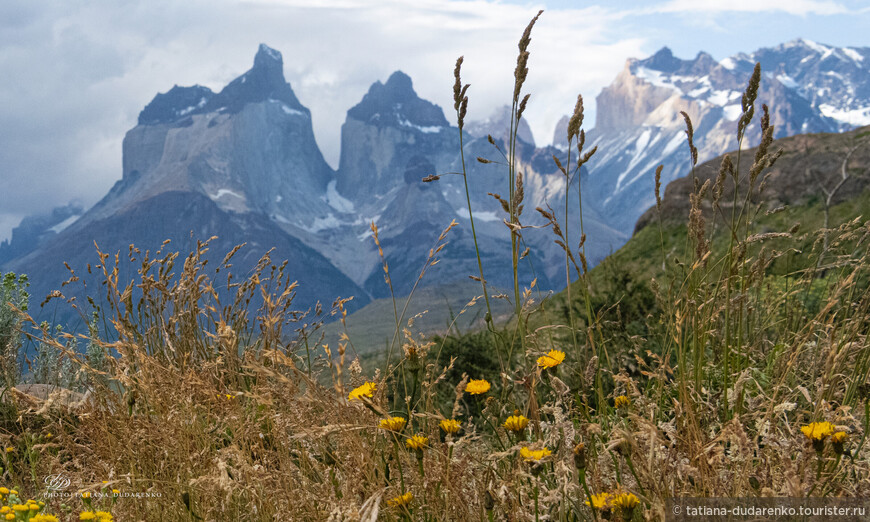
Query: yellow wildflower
x=86, y=494
x=103, y=516
x=450, y=425
x=366, y=390
x=534, y=456
x=4, y=510
x=477, y=386
x=401, y=501
x=552, y=359
x=838, y=441
x=818, y=431
x=87, y=515
x=393, y=423
x=20, y=507
x=4, y=491
x=10, y=449
x=621, y=402
x=44, y=518
x=417, y=442
x=116, y=492
x=14, y=492
x=624, y=501
x=600, y=502
x=9, y=516
x=516, y=423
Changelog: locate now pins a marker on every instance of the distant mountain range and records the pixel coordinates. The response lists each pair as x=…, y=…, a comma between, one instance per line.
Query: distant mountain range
x=242, y=164
x=809, y=88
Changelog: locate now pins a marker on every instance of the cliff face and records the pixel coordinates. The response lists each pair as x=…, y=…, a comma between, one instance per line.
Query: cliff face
x=249, y=148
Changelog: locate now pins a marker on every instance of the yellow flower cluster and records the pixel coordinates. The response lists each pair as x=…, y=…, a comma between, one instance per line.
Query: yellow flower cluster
x=450, y=426
x=516, y=423
x=417, y=442
x=22, y=510
x=393, y=424
x=96, y=516
x=619, y=500
x=401, y=501
x=818, y=431
x=621, y=402
x=477, y=386
x=534, y=456
x=366, y=390
x=552, y=359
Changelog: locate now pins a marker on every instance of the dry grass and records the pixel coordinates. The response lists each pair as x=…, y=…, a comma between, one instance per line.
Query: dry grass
x=220, y=398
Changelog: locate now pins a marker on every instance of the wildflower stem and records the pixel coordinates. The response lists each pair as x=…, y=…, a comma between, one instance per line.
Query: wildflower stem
x=536, y=499
x=399, y=463
x=582, y=477
x=634, y=474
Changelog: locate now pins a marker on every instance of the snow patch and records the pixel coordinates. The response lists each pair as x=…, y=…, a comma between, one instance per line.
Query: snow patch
x=640, y=146
x=728, y=63
x=835, y=75
x=660, y=79
x=819, y=48
x=787, y=80
x=721, y=98
x=286, y=108
x=427, y=129
x=226, y=192
x=192, y=108
x=853, y=54
x=336, y=200
x=732, y=112
x=485, y=215
x=64, y=224
x=857, y=117
x=278, y=198
x=699, y=91
x=674, y=143
x=319, y=224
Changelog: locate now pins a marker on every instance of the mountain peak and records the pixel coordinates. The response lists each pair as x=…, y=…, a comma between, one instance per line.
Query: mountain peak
x=395, y=103
x=663, y=60
x=268, y=66
x=399, y=82
x=264, y=52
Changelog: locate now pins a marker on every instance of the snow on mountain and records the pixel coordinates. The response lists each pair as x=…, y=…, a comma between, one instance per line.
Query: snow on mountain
x=809, y=87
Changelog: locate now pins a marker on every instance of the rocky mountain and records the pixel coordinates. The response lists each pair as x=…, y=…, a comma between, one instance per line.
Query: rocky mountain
x=242, y=164
x=498, y=125
x=809, y=87
x=37, y=230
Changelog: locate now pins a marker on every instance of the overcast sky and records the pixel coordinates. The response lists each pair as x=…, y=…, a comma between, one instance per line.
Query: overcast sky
x=74, y=74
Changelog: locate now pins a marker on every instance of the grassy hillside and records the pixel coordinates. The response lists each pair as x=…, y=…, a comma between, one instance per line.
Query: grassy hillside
x=452, y=309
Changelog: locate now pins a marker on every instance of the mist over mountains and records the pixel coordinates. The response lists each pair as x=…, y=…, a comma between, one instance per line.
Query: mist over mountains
x=242, y=164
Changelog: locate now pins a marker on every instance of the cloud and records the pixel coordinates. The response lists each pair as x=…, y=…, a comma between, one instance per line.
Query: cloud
x=792, y=7
x=77, y=74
